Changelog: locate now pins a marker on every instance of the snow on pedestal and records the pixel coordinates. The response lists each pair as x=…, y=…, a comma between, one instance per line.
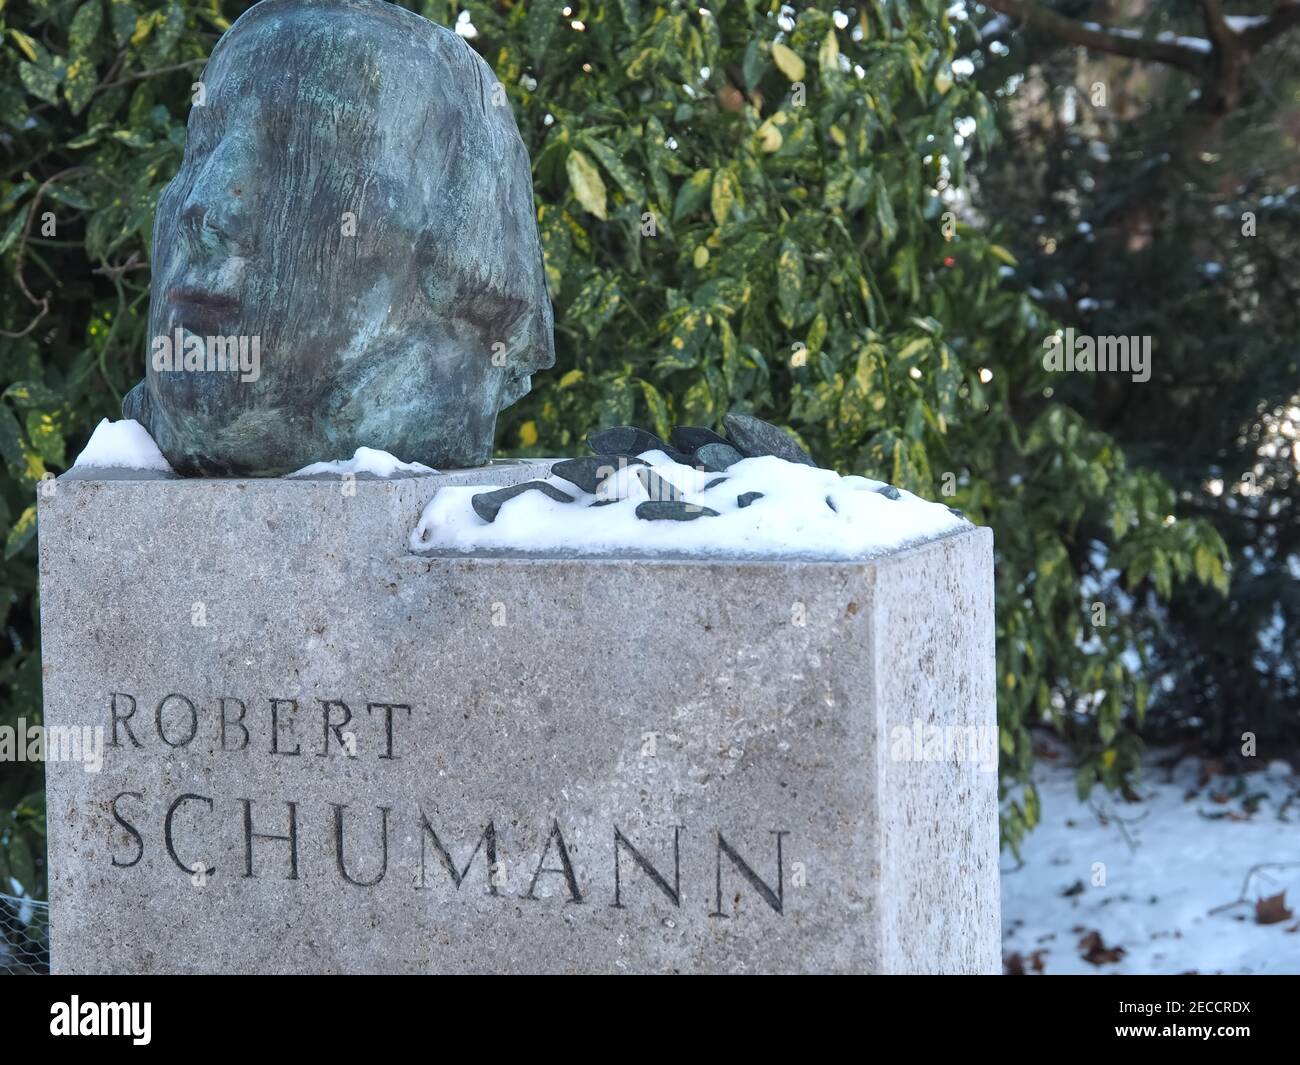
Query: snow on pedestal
x=124, y=444
x=802, y=511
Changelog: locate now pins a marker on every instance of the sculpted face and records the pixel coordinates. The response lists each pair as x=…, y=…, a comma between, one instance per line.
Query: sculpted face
x=355, y=208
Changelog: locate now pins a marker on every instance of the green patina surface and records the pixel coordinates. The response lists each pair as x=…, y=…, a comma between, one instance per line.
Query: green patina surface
x=355, y=204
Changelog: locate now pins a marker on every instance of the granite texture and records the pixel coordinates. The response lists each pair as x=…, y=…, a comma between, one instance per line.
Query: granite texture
x=580, y=721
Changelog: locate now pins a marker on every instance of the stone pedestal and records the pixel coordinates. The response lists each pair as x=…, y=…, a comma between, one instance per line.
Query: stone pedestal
x=324, y=753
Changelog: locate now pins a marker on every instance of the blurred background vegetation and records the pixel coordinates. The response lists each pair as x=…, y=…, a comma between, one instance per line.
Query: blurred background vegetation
x=859, y=220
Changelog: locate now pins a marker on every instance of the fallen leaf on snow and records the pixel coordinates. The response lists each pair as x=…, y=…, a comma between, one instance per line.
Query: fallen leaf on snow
x=1096, y=951
x=1272, y=910
x=1015, y=963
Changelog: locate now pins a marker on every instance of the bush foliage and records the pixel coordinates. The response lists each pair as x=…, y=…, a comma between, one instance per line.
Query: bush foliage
x=1145, y=212
x=743, y=205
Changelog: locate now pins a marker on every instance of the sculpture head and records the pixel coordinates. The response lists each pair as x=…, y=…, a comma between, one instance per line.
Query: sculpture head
x=355, y=204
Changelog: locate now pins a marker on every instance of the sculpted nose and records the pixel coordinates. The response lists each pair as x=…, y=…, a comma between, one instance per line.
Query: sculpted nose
x=216, y=213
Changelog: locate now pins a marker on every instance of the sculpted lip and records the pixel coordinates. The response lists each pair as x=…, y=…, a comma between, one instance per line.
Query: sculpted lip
x=201, y=300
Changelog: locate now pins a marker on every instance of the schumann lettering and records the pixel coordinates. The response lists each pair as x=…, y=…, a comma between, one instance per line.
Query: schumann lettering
x=468, y=858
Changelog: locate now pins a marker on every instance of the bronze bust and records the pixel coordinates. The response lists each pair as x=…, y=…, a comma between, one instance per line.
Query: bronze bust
x=348, y=255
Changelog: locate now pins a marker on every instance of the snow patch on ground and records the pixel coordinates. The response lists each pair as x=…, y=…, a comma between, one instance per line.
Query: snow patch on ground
x=124, y=444
x=793, y=518
x=1185, y=850
x=364, y=460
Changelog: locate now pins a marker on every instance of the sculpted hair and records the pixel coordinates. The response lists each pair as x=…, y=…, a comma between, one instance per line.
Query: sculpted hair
x=477, y=196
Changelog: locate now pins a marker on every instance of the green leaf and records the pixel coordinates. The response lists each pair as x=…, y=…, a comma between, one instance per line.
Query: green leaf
x=885, y=217
x=828, y=55
x=19, y=537
x=27, y=394
x=1203, y=561
x=31, y=48
x=913, y=348
x=789, y=281
x=543, y=19
x=11, y=232
x=658, y=409
x=79, y=85
x=692, y=194
x=84, y=29
x=594, y=305
x=788, y=62
x=631, y=12
x=11, y=439
x=755, y=64
x=62, y=192
x=41, y=81
x=131, y=138
x=586, y=183
x=1002, y=255
x=724, y=194
x=817, y=333
x=162, y=47
x=613, y=163
x=699, y=407
x=46, y=437
x=122, y=14
x=659, y=160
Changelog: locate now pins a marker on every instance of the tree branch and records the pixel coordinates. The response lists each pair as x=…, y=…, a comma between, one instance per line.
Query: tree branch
x=41, y=303
x=1216, y=26
x=1219, y=61
x=1254, y=33
x=1188, y=53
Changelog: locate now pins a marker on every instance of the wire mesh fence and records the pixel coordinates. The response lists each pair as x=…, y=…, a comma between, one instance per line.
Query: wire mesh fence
x=24, y=936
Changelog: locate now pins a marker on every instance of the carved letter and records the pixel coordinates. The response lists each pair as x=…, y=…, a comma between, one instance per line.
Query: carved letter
x=325, y=705
x=250, y=835
x=338, y=845
x=388, y=708
x=194, y=720
x=775, y=899
x=124, y=718
x=129, y=827
x=237, y=722
x=487, y=841
x=275, y=726
x=674, y=893
x=566, y=866
x=167, y=832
